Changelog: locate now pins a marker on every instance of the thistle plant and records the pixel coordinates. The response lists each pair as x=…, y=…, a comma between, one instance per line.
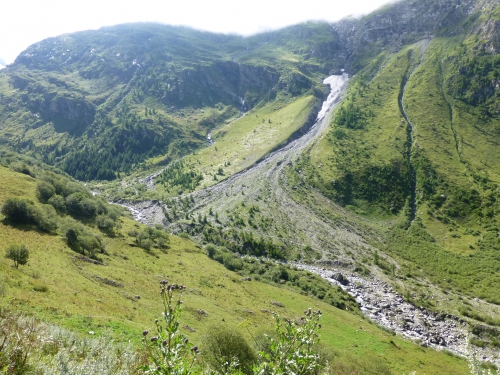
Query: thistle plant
x=291, y=351
x=169, y=349
x=476, y=368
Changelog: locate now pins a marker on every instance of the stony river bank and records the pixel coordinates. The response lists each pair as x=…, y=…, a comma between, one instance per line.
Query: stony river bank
x=383, y=305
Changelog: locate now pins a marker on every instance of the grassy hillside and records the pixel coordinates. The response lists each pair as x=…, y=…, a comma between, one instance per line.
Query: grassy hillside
x=247, y=140
x=119, y=293
x=446, y=176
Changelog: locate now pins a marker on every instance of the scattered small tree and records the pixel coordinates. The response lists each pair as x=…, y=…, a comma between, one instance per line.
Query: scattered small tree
x=106, y=224
x=211, y=250
x=19, y=254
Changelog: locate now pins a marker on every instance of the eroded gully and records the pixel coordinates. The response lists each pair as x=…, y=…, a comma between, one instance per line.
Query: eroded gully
x=410, y=130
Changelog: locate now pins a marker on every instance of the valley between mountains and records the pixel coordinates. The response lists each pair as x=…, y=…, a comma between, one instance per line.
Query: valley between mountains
x=350, y=167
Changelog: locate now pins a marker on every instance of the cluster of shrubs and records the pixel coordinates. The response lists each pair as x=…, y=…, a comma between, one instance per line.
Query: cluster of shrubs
x=81, y=239
x=233, y=238
x=60, y=195
x=20, y=211
x=22, y=167
x=270, y=271
x=150, y=238
x=76, y=200
x=69, y=208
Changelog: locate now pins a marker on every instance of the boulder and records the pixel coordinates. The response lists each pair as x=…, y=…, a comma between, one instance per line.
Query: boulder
x=340, y=278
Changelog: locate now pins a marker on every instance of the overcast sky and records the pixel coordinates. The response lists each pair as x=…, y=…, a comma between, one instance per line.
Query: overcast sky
x=24, y=22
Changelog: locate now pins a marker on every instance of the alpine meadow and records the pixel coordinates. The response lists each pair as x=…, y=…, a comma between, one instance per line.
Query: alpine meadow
x=320, y=199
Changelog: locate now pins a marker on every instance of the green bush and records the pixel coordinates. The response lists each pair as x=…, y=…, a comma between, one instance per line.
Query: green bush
x=20, y=211
x=19, y=254
x=211, y=250
x=151, y=237
x=226, y=348
x=106, y=224
x=22, y=167
x=58, y=202
x=16, y=211
x=81, y=205
x=82, y=240
x=290, y=350
x=44, y=217
x=232, y=262
x=146, y=244
x=44, y=191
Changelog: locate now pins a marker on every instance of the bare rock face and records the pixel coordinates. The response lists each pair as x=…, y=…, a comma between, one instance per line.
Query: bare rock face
x=222, y=81
x=398, y=24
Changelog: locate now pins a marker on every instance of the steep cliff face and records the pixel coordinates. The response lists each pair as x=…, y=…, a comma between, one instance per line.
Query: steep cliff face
x=69, y=112
x=206, y=85
x=399, y=24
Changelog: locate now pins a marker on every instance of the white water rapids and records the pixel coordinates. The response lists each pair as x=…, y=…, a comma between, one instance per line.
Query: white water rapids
x=336, y=83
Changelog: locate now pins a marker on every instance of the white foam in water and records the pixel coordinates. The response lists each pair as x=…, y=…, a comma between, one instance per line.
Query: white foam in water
x=336, y=83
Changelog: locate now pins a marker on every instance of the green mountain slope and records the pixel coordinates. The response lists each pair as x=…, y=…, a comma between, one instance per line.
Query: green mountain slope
x=402, y=185
x=101, y=102
x=444, y=181
x=406, y=172
x=128, y=93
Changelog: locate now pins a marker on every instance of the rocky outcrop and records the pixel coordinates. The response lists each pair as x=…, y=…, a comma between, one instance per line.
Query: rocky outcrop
x=222, y=81
x=398, y=24
x=53, y=103
x=341, y=279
